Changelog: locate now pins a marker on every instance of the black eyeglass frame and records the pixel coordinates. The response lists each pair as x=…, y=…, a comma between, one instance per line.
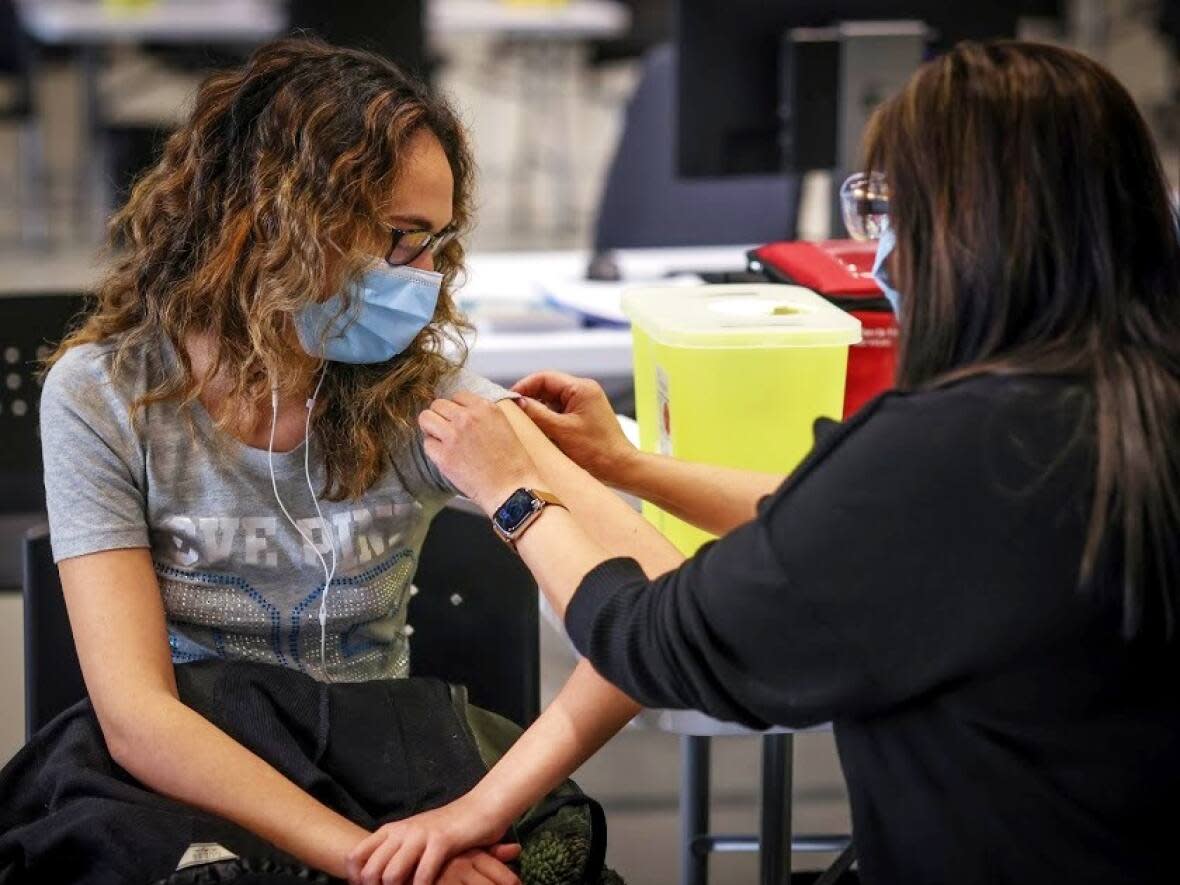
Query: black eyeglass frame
x=433, y=242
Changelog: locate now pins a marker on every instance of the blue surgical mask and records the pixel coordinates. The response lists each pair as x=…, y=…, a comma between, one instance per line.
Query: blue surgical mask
x=387, y=309
x=881, y=272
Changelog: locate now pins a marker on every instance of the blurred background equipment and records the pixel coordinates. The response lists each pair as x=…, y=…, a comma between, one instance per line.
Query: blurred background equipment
x=127, y=101
x=394, y=30
x=736, y=117
x=23, y=191
x=651, y=25
x=798, y=95
x=645, y=201
x=740, y=83
x=1168, y=117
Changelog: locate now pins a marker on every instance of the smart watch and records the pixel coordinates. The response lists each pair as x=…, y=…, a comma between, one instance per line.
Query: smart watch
x=519, y=512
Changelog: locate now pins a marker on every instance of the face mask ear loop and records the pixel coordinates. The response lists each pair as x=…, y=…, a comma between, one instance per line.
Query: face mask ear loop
x=274, y=420
x=319, y=513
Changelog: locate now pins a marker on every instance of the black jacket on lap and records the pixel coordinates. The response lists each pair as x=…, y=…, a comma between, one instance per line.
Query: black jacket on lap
x=373, y=751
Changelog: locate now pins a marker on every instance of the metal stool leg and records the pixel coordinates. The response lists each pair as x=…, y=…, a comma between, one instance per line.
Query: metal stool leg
x=839, y=866
x=94, y=187
x=694, y=809
x=775, y=839
x=33, y=188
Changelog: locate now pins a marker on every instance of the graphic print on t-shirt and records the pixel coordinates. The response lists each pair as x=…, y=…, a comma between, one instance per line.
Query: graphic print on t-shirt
x=359, y=534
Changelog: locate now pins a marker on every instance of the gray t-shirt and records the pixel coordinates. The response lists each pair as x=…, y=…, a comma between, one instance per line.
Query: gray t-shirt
x=238, y=581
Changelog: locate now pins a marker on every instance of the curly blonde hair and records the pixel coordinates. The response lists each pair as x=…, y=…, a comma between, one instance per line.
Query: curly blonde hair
x=257, y=207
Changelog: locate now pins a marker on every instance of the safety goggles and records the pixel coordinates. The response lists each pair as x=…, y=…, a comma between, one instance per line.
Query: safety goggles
x=864, y=203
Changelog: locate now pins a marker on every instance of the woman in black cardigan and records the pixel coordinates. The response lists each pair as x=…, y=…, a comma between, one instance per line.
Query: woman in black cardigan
x=977, y=578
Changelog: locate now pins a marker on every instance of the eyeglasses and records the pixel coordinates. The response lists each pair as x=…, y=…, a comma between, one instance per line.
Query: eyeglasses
x=864, y=203
x=406, y=245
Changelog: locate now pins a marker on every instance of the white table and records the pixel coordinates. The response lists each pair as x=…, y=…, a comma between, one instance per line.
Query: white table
x=576, y=20
x=75, y=22
x=87, y=21
x=604, y=354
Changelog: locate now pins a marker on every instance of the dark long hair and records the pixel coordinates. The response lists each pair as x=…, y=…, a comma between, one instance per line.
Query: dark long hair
x=262, y=201
x=1035, y=234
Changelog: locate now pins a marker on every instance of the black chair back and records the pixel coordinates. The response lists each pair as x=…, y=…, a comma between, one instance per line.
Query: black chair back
x=53, y=677
x=30, y=326
x=475, y=616
x=475, y=620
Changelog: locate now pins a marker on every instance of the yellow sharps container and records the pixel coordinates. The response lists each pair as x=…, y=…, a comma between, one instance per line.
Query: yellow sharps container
x=734, y=375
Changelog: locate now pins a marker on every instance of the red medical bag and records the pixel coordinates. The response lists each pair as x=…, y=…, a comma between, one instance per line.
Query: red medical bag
x=840, y=270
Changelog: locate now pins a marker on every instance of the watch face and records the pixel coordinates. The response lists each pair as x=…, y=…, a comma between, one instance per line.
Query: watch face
x=515, y=510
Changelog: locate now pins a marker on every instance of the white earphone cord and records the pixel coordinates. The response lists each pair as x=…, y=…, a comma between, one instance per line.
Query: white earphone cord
x=329, y=574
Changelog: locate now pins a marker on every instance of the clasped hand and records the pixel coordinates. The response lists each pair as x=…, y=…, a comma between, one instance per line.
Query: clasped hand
x=440, y=846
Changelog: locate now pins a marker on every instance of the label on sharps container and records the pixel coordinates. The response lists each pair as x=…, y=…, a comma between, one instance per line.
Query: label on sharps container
x=663, y=412
x=201, y=853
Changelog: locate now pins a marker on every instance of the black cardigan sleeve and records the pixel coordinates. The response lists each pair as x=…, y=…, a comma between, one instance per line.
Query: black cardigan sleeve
x=915, y=546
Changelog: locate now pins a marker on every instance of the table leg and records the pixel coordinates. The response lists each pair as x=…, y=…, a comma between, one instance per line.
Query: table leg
x=33, y=187
x=95, y=176
x=694, y=808
x=530, y=121
x=775, y=836
x=839, y=866
x=567, y=58
x=35, y=199
x=549, y=77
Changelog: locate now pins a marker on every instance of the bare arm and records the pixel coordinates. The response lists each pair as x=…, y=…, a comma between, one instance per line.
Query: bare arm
x=575, y=414
x=586, y=713
x=716, y=499
x=117, y=618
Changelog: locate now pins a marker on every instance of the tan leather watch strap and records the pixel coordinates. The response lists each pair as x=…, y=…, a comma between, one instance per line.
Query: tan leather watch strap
x=548, y=498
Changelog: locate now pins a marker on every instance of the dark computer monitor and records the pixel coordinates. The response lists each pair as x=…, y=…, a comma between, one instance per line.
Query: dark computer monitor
x=730, y=103
x=393, y=29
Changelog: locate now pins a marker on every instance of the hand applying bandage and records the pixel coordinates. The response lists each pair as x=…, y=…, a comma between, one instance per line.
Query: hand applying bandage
x=476, y=448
